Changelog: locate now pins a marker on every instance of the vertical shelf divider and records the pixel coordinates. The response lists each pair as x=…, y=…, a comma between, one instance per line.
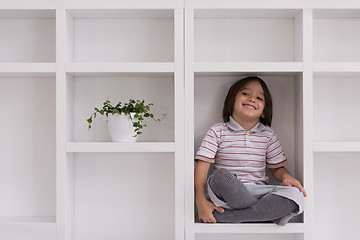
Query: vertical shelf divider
x=61, y=210
x=189, y=125
x=179, y=123
x=308, y=122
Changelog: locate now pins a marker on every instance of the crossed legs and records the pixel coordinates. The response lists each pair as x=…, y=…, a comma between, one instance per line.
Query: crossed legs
x=245, y=207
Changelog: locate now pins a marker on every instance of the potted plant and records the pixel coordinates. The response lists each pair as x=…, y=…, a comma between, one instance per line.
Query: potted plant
x=125, y=121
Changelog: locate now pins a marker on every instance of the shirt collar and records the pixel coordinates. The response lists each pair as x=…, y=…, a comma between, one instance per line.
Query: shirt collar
x=233, y=125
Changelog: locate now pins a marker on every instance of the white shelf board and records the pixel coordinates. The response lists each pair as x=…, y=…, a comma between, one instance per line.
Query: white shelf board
x=275, y=4
x=120, y=147
x=122, y=13
x=336, y=67
x=27, y=68
x=248, y=228
x=27, y=220
x=160, y=67
x=248, y=67
x=246, y=13
x=27, y=14
x=336, y=146
x=336, y=13
x=124, y=4
x=245, y=4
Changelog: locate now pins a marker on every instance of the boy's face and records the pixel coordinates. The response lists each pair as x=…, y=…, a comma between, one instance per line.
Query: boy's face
x=249, y=103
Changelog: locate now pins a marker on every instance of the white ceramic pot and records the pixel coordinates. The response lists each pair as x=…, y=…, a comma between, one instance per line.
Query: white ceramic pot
x=121, y=128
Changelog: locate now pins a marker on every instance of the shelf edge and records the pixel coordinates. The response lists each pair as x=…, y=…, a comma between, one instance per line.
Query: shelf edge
x=248, y=67
x=120, y=147
x=336, y=146
x=27, y=67
x=248, y=228
x=163, y=67
x=27, y=220
x=334, y=67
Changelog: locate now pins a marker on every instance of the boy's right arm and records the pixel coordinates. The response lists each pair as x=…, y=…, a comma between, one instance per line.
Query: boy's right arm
x=205, y=208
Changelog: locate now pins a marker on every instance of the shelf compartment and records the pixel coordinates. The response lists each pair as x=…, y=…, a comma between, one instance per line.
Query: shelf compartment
x=336, y=35
x=30, y=36
x=248, y=228
x=102, y=183
x=28, y=140
x=335, y=95
x=336, y=146
x=120, y=35
x=243, y=35
x=336, y=175
x=120, y=67
x=121, y=147
x=210, y=89
x=248, y=67
x=88, y=90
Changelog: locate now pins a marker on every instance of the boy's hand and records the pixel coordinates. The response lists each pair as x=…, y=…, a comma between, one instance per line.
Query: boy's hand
x=281, y=174
x=205, y=209
x=290, y=181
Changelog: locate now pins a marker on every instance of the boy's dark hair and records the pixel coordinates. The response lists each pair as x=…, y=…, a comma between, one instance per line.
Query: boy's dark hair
x=234, y=90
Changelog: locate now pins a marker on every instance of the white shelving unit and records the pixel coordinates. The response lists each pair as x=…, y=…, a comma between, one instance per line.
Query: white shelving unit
x=336, y=78
x=56, y=65
x=223, y=46
x=27, y=131
x=61, y=58
x=121, y=54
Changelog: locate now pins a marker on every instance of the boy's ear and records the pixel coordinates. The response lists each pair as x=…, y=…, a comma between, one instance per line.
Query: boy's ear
x=263, y=115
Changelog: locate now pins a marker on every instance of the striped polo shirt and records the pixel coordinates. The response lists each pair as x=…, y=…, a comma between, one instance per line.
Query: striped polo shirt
x=244, y=153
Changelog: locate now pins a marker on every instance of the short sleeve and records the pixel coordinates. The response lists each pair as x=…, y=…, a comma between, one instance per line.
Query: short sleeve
x=275, y=156
x=208, y=147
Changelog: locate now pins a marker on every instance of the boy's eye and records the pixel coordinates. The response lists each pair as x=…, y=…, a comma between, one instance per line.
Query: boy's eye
x=259, y=98
x=245, y=93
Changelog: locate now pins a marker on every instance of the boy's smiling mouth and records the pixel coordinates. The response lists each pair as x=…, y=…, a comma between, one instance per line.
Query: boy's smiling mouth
x=249, y=106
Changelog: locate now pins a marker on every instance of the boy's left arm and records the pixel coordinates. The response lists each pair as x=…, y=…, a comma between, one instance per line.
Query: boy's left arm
x=282, y=175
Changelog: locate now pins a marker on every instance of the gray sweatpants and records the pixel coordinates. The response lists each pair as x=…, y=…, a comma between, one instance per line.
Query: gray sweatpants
x=243, y=206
